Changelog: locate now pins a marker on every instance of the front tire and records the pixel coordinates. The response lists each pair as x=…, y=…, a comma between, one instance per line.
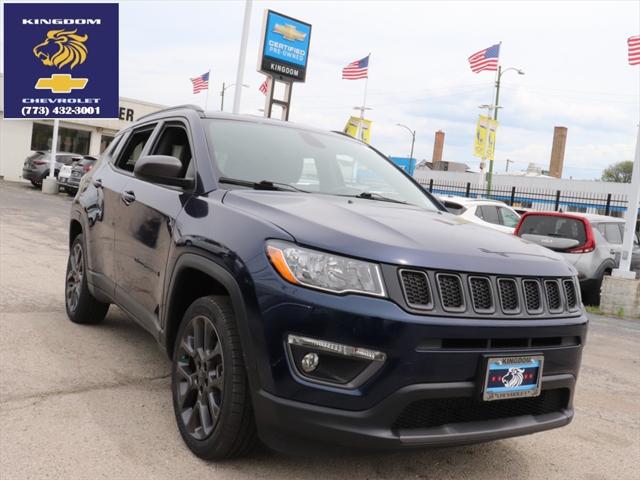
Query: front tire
x=210, y=389
x=81, y=306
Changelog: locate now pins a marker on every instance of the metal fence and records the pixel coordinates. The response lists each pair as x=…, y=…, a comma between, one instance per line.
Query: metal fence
x=613, y=204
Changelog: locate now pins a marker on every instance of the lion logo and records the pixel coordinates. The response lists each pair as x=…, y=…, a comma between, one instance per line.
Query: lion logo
x=513, y=378
x=61, y=48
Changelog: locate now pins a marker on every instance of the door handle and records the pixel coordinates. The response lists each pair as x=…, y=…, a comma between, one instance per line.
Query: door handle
x=128, y=197
x=97, y=182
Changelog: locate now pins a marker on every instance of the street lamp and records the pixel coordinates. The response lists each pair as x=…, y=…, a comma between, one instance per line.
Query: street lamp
x=413, y=138
x=224, y=89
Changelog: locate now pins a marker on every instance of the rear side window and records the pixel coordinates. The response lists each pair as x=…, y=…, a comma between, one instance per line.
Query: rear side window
x=554, y=226
x=133, y=149
x=488, y=213
x=612, y=233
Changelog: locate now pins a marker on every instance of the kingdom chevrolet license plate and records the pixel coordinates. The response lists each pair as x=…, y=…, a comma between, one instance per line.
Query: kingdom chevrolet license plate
x=512, y=377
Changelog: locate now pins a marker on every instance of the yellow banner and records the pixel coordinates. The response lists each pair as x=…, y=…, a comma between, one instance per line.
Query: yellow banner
x=481, y=148
x=351, y=129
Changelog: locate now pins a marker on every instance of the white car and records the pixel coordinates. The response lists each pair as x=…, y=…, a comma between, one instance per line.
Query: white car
x=488, y=213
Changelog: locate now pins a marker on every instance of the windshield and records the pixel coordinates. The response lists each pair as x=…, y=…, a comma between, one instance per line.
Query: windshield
x=310, y=161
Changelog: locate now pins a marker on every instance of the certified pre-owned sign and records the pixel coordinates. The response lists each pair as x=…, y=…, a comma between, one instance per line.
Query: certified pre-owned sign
x=285, y=47
x=61, y=60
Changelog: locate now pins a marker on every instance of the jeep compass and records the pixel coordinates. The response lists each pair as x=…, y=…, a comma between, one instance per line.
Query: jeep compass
x=311, y=294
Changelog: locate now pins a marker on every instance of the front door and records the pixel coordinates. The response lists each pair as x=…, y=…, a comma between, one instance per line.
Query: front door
x=145, y=231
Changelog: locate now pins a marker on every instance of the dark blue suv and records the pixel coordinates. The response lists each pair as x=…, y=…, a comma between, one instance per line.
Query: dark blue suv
x=313, y=295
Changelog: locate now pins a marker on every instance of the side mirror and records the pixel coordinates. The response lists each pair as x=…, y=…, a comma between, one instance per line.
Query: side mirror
x=161, y=169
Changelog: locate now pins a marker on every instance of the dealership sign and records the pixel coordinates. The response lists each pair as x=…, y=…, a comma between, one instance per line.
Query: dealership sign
x=285, y=47
x=61, y=60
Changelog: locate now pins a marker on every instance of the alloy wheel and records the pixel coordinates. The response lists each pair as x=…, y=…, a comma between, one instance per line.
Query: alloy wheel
x=75, y=275
x=200, y=377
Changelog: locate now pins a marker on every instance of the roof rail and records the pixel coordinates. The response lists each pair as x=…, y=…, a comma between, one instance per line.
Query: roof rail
x=188, y=106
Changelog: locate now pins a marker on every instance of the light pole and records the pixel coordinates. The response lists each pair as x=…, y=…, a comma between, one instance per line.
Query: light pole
x=508, y=162
x=495, y=113
x=224, y=89
x=413, y=138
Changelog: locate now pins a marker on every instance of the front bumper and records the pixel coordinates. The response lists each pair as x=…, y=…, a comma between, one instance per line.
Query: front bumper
x=304, y=428
x=427, y=357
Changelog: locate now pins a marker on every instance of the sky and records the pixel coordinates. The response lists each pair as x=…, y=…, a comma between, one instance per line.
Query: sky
x=573, y=53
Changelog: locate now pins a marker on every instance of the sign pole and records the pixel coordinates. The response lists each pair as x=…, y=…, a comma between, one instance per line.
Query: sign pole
x=631, y=215
x=243, y=56
x=50, y=184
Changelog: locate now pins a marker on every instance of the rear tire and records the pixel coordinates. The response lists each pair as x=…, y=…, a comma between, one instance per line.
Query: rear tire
x=81, y=306
x=37, y=183
x=210, y=389
x=592, y=295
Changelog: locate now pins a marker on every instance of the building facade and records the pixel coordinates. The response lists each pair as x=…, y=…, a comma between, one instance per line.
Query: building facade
x=20, y=138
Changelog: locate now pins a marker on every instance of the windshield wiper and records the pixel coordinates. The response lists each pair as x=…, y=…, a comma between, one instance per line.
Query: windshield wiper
x=261, y=185
x=376, y=196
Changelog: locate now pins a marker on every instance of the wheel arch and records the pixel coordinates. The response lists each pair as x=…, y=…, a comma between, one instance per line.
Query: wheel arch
x=192, y=277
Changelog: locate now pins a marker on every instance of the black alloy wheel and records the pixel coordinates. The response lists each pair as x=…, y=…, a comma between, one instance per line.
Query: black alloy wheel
x=200, y=382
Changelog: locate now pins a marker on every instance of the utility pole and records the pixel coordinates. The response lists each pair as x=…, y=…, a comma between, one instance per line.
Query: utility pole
x=413, y=137
x=508, y=162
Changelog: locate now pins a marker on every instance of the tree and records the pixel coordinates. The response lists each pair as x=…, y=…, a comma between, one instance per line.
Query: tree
x=618, y=172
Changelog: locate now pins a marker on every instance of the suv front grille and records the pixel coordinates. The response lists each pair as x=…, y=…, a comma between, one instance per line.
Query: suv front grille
x=416, y=288
x=554, y=300
x=508, y=295
x=430, y=292
x=435, y=412
x=481, y=294
x=532, y=296
x=451, y=294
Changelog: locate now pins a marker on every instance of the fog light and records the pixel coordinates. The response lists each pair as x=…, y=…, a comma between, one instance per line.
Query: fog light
x=330, y=363
x=309, y=362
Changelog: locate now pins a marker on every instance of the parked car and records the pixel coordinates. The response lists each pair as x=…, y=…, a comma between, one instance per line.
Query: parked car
x=591, y=243
x=331, y=316
x=36, y=165
x=488, y=213
x=70, y=175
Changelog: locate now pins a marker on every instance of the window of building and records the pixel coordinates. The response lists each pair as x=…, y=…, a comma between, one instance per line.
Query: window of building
x=69, y=139
x=105, y=141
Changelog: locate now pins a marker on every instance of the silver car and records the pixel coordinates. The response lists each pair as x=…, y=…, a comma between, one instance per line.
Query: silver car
x=36, y=165
x=591, y=243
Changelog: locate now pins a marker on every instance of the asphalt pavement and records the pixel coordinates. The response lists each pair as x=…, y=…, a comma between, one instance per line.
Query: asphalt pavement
x=90, y=402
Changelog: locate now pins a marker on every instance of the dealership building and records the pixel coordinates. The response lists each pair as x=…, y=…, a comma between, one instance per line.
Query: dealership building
x=20, y=138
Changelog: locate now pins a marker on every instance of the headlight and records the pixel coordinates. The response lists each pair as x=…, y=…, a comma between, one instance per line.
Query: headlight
x=324, y=271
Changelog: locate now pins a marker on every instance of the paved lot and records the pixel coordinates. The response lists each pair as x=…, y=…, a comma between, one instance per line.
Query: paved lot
x=94, y=401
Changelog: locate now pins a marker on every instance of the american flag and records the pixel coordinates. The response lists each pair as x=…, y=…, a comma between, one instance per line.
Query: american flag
x=356, y=70
x=634, y=50
x=486, y=59
x=264, y=86
x=200, y=83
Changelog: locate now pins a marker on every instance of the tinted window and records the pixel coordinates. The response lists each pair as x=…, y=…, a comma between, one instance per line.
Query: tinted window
x=174, y=142
x=488, y=213
x=133, y=149
x=313, y=161
x=554, y=226
x=612, y=233
x=509, y=219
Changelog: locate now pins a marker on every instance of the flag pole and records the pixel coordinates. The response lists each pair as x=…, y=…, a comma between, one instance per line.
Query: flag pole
x=363, y=108
x=206, y=97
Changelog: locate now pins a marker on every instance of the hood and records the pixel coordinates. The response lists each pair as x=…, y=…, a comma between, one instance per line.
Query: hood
x=397, y=234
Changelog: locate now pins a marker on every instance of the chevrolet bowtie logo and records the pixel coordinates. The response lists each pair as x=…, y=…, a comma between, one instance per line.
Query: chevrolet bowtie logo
x=289, y=32
x=61, y=83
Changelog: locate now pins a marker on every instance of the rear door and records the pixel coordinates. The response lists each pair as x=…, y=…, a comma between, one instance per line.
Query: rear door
x=145, y=228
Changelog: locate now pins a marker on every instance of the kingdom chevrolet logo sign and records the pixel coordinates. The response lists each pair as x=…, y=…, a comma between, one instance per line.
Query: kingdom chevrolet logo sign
x=61, y=21
x=61, y=83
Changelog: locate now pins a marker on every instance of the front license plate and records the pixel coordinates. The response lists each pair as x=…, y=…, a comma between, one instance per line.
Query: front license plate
x=512, y=377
